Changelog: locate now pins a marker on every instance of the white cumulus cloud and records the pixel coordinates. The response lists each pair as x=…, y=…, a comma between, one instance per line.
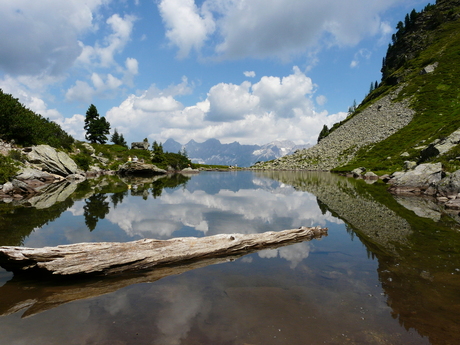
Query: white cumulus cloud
x=187, y=26
x=274, y=108
x=264, y=28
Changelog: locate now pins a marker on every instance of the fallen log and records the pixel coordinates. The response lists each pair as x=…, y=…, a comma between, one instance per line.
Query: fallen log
x=105, y=258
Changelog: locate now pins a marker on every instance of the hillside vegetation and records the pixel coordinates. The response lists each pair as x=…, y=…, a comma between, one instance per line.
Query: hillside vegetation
x=20, y=127
x=420, y=82
x=25, y=128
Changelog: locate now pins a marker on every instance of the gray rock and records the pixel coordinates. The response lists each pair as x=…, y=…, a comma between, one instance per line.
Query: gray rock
x=370, y=176
x=190, y=171
x=88, y=147
x=409, y=165
x=34, y=174
x=103, y=160
x=453, y=204
x=429, y=68
x=142, y=169
x=449, y=185
x=52, y=161
x=358, y=171
x=7, y=187
x=417, y=180
x=143, y=145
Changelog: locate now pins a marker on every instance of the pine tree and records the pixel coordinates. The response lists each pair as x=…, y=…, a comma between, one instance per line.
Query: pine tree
x=115, y=137
x=97, y=128
x=158, y=154
x=323, y=134
x=118, y=139
x=122, y=141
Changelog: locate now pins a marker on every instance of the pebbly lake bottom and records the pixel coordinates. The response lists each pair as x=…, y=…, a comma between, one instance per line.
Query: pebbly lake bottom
x=382, y=276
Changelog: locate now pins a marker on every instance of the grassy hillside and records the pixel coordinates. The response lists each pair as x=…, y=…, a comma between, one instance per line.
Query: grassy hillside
x=434, y=37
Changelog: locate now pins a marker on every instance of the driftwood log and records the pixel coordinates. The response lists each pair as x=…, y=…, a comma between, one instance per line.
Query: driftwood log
x=112, y=257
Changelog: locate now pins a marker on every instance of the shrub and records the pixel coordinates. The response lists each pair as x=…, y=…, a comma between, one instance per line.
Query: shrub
x=83, y=161
x=17, y=156
x=8, y=168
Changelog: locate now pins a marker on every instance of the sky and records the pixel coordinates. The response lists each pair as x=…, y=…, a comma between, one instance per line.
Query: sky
x=251, y=71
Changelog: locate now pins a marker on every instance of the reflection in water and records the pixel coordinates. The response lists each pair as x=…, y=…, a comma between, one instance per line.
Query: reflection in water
x=96, y=208
x=385, y=276
x=294, y=254
x=419, y=260
x=43, y=208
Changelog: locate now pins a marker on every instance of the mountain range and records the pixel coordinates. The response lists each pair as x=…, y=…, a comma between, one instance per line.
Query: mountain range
x=213, y=152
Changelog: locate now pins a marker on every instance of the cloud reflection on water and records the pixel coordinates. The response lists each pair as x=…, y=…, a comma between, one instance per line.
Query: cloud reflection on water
x=243, y=211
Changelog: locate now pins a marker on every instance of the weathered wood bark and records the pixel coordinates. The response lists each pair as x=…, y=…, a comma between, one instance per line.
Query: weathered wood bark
x=111, y=258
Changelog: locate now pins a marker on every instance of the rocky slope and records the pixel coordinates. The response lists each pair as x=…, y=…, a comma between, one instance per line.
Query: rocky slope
x=376, y=123
x=413, y=109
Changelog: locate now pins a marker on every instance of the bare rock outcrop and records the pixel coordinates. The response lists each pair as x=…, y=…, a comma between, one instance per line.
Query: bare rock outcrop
x=52, y=161
x=423, y=179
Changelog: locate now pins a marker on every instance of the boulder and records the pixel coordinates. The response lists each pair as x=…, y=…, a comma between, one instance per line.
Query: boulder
x=140, y=169
x=418, y=180
x=143, y=145
x=358, y=172
x=190, y=171
x=429, y=68
x=453, y=204
x=34, y=174
x=7, y=187
x=409, y=165
x=441, y=146
x=50, y=160
x=89, y=148
x=370, y=176
x=449, y=185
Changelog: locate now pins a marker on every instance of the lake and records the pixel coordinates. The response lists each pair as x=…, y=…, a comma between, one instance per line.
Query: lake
x=387, y=273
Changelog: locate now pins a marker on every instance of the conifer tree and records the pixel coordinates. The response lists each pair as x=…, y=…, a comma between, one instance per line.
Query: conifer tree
x=115, y=137
x=97, y=128
x=324, y=133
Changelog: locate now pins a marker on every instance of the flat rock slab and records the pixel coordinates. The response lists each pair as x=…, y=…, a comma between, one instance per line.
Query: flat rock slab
x=114, y=257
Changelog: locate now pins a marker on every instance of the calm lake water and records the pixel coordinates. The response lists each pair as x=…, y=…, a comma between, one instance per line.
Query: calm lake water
x=387, y=273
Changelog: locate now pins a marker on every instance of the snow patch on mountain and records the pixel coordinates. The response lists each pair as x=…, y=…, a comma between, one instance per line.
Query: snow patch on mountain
x=212, y=151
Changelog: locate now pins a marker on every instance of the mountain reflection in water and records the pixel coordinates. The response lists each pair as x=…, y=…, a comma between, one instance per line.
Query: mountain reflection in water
x=383, y=275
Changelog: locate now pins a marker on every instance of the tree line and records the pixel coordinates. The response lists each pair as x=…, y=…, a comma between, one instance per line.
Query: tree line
x=26, y=128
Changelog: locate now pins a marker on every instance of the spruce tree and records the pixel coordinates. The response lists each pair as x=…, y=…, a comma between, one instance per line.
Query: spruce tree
x=97, y=128
x=115, y=137
x=323, y=134
x=122, y=141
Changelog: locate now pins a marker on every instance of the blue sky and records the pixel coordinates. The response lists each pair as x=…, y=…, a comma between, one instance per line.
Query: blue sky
x=251, y=71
